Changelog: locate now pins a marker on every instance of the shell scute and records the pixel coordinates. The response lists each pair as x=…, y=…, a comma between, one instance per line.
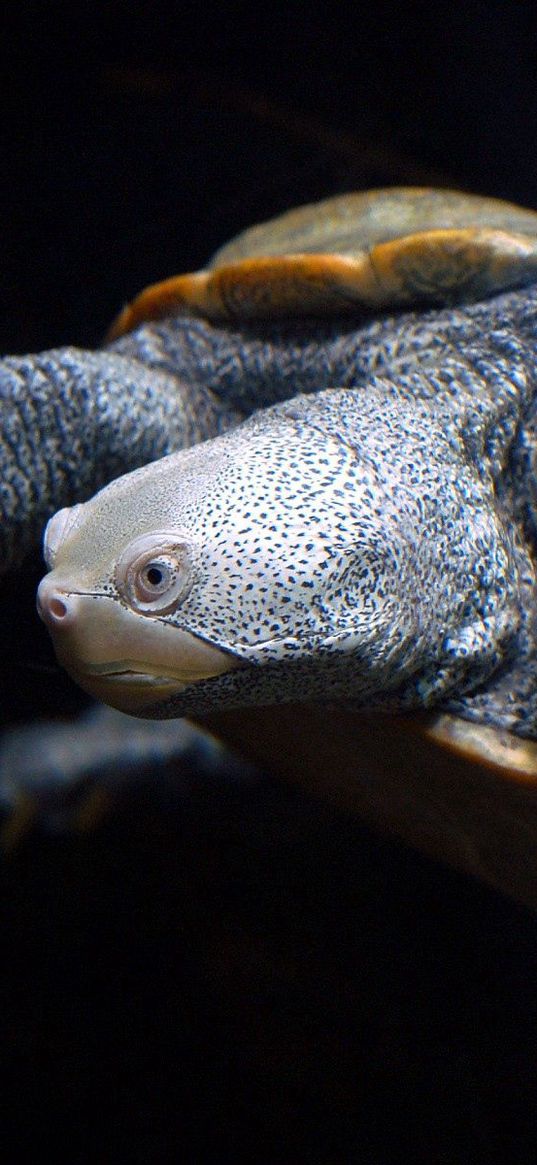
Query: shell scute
x=356, y=252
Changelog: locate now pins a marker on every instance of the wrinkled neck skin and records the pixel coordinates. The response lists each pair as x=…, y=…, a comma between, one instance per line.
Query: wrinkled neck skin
x=254, y=364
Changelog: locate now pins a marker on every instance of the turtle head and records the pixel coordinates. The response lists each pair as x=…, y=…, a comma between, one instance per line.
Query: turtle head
x=314, y=552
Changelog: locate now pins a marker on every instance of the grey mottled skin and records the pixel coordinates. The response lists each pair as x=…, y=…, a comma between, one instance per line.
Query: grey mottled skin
x=72, y=420
x=432, y=428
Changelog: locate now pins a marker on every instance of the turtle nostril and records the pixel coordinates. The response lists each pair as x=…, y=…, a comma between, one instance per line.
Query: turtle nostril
x=53, y=605
x=58, y=609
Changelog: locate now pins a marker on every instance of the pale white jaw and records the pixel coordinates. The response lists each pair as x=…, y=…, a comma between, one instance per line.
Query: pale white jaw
x=119, y=656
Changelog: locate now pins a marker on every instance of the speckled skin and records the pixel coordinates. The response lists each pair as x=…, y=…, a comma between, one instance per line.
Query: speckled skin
x=393, y=514
x=72, y=420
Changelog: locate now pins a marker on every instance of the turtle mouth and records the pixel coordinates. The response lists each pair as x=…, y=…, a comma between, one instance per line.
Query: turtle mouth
x=137, y=672
x=139, y=678
x=120, y=656
x=133, y=685
x=131, y=688
x=136, y=675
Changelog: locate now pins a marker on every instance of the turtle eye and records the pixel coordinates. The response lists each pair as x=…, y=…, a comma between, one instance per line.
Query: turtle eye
x=156, y=578
x=154, y=573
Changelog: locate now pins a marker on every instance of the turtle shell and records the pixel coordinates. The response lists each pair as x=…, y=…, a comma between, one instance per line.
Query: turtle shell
x=384, y=248
x=480, y=817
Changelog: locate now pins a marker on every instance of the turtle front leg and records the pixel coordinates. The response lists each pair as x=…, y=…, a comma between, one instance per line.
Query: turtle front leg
x=72, y=420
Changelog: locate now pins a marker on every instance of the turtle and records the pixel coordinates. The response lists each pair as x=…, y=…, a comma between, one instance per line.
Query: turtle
x=326, y=448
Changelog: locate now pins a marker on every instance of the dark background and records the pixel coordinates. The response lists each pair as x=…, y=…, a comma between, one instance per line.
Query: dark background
x=236, y=969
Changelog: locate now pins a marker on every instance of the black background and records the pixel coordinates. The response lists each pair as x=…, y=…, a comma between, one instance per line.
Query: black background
x=239, y=970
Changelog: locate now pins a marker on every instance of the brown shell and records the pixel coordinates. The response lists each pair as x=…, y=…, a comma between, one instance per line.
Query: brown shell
x=479, y=817
x=383, y=248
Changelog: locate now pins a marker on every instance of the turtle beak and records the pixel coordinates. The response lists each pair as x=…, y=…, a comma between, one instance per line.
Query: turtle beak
x=119, y=656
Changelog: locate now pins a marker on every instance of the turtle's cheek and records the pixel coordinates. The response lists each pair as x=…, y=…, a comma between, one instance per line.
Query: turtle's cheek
x=123, y=658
